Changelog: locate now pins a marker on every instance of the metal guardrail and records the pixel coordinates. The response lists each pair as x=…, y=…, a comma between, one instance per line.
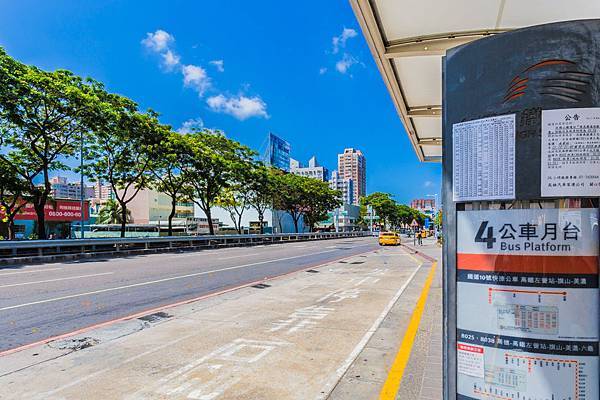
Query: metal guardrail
x=41, y=248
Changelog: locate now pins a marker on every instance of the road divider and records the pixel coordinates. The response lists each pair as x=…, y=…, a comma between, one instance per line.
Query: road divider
x=36, y=251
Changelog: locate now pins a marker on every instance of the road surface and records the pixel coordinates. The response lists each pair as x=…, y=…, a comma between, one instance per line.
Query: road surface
x=38, y=302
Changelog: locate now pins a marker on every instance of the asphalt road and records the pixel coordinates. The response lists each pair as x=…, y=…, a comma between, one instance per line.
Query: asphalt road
x=42, y=301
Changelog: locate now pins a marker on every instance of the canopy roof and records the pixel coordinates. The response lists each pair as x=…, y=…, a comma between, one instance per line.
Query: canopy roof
x=409, y=37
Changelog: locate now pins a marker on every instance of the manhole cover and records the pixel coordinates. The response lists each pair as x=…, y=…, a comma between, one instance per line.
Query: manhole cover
x=261, y=286
x=155, y=317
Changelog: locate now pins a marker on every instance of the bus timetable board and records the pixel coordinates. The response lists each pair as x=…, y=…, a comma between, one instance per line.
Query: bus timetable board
x=527, y=304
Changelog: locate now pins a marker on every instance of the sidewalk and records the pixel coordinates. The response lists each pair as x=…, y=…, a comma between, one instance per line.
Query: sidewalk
x=423, y=375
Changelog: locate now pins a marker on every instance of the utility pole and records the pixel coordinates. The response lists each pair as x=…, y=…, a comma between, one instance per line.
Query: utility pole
x=81, y=190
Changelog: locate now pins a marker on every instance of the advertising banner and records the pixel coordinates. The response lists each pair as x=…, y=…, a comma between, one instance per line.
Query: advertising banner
x=58, y=211
x=527, y=304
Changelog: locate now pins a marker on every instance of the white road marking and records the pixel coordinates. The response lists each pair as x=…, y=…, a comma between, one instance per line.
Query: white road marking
x=55, y=280
x=185, y=379
x=241, y=255
x=71, y=296
x=115, y=366
x=28, y=272
x=339, y=373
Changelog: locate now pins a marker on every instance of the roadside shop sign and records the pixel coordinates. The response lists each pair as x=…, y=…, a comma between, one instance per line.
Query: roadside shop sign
x=527, y=304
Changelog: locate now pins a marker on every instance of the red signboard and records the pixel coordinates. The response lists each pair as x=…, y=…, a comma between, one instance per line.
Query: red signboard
x=59, y=211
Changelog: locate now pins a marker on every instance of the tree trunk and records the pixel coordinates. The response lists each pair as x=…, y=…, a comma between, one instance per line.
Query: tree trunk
x=38, y=204
x=211, y=229
x=295, y=222
x=261, y=218
x=123, y=218
x=173, y=206
x=240, y=224
x=11, y=228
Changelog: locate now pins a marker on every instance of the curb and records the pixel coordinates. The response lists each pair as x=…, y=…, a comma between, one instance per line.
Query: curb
x=420, y=253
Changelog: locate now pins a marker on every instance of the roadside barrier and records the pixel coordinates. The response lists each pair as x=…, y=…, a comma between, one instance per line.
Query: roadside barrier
x=16, y=252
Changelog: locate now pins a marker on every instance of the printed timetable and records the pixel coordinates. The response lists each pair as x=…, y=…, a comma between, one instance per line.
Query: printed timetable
x=484, y=159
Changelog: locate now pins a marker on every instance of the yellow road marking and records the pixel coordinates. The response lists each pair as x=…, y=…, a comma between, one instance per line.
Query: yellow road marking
x=394, y=378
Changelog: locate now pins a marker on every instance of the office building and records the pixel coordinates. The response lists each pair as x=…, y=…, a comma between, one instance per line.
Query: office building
x=352, y=164
x=313, y=170
x=278, y=153
x=346, y=186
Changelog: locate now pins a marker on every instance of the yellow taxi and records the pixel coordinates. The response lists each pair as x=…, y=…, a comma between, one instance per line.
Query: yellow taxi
x=386, y=238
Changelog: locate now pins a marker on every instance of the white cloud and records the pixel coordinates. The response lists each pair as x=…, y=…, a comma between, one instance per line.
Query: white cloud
x=322, y=70
x=340, y=41
x=158, y=41
x=191, y=125
x=170, y=59
x=428, y=184
x=343, y=65
x=240, y=107
x=196, y=78
x=218, y=65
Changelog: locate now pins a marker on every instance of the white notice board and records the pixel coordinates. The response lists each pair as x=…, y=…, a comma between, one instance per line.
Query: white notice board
x=484, y=159
x=570, y=152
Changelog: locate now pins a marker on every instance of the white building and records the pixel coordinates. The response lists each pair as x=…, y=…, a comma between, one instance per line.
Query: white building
x=344, y=185
x=314, y=170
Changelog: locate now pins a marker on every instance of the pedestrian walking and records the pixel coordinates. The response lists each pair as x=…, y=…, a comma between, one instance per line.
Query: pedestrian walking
x=420, y=237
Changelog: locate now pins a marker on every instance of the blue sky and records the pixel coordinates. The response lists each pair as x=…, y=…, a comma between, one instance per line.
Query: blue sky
x=303, y=72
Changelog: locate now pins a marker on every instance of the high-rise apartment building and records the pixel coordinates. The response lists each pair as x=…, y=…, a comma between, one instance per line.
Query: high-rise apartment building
x=352, y=164
x=314, y=170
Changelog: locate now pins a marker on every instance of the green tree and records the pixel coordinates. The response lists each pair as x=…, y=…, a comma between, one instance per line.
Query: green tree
x=318, y=200
x=13, y=198
x=42, y=116
x=289, y=196
x=235, y=201
x=382, y=204
x=438, y=219
x=213, y=163
x=166, y=165
x=261, y=191
x=112, y=213
x=301, y=196
x=124, y=143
